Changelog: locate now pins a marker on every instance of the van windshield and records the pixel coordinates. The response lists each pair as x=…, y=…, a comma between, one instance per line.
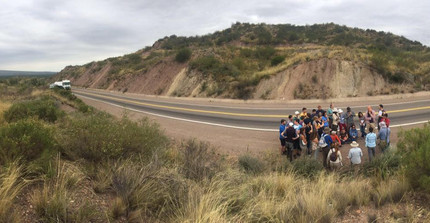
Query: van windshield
x=66, y=83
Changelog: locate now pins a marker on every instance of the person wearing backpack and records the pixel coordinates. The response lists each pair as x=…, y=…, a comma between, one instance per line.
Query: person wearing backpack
x=290, y=135
x=334, y=157
x=325, y=143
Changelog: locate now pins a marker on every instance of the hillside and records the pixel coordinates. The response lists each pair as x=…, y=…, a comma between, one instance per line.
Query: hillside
x=266, y=62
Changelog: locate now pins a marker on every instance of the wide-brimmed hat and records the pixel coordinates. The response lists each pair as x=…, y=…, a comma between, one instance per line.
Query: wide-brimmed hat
x=340, y=110
x=327, y=130
x=354, y=144
x=297, y=112
x=335, y=110
x=290, y=124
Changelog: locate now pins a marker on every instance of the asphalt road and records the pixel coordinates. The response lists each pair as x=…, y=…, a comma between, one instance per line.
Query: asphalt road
x=250, y=116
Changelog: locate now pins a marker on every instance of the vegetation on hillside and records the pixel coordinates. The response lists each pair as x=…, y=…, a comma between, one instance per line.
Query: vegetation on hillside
x=235, y=60
x=80, y=168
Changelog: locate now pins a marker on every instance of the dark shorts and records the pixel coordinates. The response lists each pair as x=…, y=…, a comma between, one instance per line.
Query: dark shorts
x=282, y=142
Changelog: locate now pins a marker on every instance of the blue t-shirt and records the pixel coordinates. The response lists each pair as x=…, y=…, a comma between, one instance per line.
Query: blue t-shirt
x=325, y=121
x=281, y=130
x=328, y=140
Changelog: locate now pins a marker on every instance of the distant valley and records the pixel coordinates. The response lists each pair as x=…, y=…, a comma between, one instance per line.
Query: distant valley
x=11, y=73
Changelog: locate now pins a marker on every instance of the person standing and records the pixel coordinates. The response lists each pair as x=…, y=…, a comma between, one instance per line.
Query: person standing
x=384, y=137
x=335, y=120
x=308, y=133
x=314, y=113
x=326, y=149
x=362, y=120
x=320, y=126
x=290, y=135
x=371, y=143
x=303, y=143
x=330, y=115
x=320, y=110
x=385, y=119
x=281, y=137
x=334, y=157
x=342, y=120
x=349, y=118
x=380, y=114
x=370, y=117
x=304, y=113
x=355, y=154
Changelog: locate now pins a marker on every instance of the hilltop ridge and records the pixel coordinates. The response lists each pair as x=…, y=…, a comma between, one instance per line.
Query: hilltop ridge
x=264, y=61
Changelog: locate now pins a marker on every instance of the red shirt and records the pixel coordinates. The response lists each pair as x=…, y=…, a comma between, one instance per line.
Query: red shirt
x=335, y=138
x=387, y=121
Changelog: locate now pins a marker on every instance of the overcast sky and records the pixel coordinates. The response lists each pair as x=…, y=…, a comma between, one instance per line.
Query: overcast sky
x=47, y=35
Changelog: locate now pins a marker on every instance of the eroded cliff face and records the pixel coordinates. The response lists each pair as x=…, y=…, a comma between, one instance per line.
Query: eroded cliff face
x=324, y=78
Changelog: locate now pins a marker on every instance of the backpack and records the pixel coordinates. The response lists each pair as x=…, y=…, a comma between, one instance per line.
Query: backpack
x=322, y=143
x=333, y=156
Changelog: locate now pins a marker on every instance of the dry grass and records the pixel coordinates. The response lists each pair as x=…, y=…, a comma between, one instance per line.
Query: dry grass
x=3, y=107
x=52, y=202
x=11, y=185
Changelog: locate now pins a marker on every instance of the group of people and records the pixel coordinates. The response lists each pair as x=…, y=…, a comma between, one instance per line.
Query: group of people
x=324, y=132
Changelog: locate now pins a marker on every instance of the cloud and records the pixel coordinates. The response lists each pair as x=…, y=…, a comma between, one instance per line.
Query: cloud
x=51, y=34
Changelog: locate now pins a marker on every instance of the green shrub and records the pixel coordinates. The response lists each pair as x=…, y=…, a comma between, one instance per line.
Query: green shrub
x=183, y=55
x=200, y=161
x=96, y=137
x=264, y=53
x=44, y=109
x=382, y=166
x=251, y=164
x=25, y=139
x=277, y=60
x=307, y=167
x=414, y=146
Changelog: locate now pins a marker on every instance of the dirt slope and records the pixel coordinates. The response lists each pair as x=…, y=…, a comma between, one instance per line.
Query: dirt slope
x=324, y=78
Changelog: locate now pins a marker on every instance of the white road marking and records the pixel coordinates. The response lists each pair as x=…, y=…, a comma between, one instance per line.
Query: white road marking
x=220, y=125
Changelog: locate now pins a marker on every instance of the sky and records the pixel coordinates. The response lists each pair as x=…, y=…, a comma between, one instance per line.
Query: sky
x=47, y=35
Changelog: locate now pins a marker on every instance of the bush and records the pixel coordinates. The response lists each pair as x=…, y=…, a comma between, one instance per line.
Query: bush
x=307, y=167
x=25, y=139
x=251, y=164
x=183, y=55
x=44, y=109
x=277, y=60
x=11, y=186
x=147, y=191
x=200, y=161
x=52, y=202
x=382, y=166
x=96, y=137
x=414, y=146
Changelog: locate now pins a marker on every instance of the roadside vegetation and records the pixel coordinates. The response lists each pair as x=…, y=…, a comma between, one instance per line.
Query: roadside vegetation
x=234, y=61
x=87, y=166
